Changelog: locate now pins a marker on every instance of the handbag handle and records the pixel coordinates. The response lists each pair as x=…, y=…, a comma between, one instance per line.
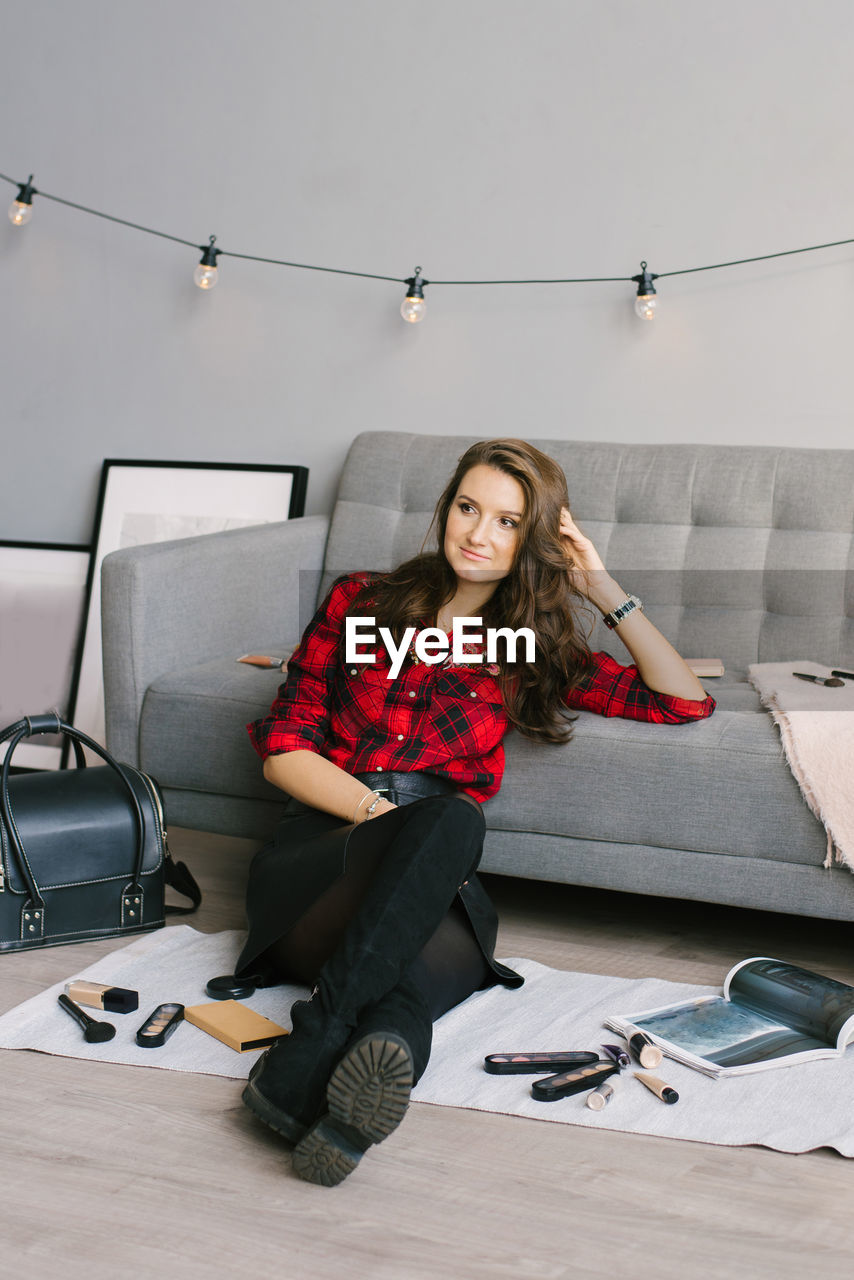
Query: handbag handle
x=29, y=727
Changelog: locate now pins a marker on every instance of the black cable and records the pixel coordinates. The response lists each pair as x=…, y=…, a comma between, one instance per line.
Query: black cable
x=164, y=235
x=304, y=266
x=577, y=280
x=764, y=257
x=368, y=275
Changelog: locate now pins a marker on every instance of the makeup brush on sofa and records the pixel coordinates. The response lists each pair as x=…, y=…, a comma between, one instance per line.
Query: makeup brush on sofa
x=93, y=1031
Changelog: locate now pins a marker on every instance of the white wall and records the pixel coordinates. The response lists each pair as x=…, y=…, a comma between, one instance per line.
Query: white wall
x=479, y=138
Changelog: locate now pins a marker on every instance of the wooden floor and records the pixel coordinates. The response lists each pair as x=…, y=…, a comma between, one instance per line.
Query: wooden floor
x=112, y=1171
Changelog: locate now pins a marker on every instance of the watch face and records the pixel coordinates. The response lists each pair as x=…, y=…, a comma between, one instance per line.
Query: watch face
x=616, y=616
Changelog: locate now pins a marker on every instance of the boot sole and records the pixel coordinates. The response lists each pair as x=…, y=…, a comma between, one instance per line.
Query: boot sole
x=367, y=1097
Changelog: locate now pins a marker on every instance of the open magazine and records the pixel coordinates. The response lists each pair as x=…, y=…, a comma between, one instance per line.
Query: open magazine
x=771, y=1014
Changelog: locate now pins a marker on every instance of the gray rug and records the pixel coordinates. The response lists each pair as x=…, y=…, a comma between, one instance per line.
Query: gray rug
x=791, y=1109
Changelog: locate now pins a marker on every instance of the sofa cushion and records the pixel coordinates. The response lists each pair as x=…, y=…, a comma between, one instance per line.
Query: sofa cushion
x=716, y=786
x=192, y=731
x=620, y=781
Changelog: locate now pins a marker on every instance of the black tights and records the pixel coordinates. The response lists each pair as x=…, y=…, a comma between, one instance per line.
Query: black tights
x=449, y=967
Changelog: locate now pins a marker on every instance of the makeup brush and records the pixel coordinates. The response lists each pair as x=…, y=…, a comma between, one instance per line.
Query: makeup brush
x=833, y=681
x=94, y=1032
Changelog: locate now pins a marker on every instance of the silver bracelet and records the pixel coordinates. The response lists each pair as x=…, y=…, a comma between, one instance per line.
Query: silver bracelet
x=371, y=808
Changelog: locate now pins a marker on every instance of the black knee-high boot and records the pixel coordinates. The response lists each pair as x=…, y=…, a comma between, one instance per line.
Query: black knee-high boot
x=436, y=847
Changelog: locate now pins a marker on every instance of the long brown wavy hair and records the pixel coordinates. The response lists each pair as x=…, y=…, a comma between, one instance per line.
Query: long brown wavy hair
x=536, y=593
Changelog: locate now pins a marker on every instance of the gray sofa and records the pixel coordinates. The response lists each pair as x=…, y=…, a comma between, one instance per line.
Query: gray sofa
x=746, y=554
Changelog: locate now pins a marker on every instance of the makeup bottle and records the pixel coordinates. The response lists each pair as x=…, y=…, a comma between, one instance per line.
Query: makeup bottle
x=100, y=995
x=600, y=1097
x=647, y=1053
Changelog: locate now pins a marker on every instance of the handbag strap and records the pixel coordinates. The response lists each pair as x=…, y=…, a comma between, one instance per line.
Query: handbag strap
x=179, y=876
x=29, y=727
x=55, y=724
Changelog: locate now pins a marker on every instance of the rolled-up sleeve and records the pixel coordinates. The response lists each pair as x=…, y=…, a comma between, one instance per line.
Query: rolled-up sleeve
x=300, y=716
x=609, y=689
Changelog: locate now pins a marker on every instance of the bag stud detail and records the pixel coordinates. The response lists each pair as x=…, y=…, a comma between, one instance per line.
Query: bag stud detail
x=28, y=915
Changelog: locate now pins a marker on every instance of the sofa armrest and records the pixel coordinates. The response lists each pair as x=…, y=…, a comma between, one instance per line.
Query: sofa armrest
x=173, y=604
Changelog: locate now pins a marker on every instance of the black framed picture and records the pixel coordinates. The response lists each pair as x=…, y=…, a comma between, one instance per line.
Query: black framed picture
x=149, y=501
x=42, y=600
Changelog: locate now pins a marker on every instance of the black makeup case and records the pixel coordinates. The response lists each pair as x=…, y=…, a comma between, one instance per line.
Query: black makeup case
x=83, y=851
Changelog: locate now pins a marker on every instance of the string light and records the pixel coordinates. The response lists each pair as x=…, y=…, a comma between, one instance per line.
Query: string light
x=206, y=274
x=21, y=208
x=413, y=306
x=646, y=301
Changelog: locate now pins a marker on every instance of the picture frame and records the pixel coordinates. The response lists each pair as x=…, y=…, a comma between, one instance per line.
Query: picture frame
x=42, y=605
x=143, y=501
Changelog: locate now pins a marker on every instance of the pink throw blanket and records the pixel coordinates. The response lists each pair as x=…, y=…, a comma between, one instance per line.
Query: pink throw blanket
x=816, y=723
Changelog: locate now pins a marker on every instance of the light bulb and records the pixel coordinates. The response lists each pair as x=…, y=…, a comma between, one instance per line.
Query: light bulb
x=645, y=305
x=21, y=208
x=206, y=277
x=413, y=309
x=19, y=213
x=646, y=301
x=206, y=274
x=413, y=306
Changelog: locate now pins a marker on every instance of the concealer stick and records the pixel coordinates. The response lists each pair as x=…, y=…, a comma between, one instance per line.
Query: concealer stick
x=658, y=1087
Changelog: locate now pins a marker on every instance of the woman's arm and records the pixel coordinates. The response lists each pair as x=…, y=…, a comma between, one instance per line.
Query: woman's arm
x=318, y=782
x=292, y=736
x=659, y=665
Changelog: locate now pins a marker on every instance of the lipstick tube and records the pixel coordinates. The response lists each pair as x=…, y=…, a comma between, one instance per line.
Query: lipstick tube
x=600, y=1097
x=617, y=1054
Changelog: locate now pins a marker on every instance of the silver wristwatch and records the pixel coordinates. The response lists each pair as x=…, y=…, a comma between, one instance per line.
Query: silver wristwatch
x=615, y=617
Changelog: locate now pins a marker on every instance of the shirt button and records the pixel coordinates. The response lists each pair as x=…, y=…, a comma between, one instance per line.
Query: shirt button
x=353, y=671
x=400, y=737
x=472, y=694
x=412, y=693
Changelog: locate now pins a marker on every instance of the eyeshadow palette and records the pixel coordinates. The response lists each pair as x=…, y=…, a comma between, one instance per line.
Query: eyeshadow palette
x=570, y=1082
x=539, y=1063
x=159, y=1025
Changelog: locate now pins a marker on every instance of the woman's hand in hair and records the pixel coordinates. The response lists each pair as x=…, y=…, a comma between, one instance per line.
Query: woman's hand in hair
x=585, y=567
x=658, y=663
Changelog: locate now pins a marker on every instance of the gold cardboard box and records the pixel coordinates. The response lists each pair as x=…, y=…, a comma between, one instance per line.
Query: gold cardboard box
x=235, y=1024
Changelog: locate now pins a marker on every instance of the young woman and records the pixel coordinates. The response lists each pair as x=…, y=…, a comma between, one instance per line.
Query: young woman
x=369, y=893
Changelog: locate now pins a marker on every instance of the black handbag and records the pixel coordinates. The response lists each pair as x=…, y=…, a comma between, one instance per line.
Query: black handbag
x=84, y=851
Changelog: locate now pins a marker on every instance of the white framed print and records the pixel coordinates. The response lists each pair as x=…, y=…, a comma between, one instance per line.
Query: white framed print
x=42, y=599
x=147, y=501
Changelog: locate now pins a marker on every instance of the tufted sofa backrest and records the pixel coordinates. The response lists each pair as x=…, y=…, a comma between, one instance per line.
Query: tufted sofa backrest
x=739, y=553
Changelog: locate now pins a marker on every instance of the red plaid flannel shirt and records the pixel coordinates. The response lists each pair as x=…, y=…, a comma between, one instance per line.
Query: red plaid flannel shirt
x=437, y=718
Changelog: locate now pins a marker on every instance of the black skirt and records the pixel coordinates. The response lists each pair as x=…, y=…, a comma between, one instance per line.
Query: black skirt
x=308, y=854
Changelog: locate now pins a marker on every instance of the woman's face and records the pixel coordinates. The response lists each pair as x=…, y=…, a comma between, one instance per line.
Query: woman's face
x=482, y=531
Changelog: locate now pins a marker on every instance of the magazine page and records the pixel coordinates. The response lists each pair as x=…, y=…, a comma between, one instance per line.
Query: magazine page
x=813, y=1005
x=721, y=1034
